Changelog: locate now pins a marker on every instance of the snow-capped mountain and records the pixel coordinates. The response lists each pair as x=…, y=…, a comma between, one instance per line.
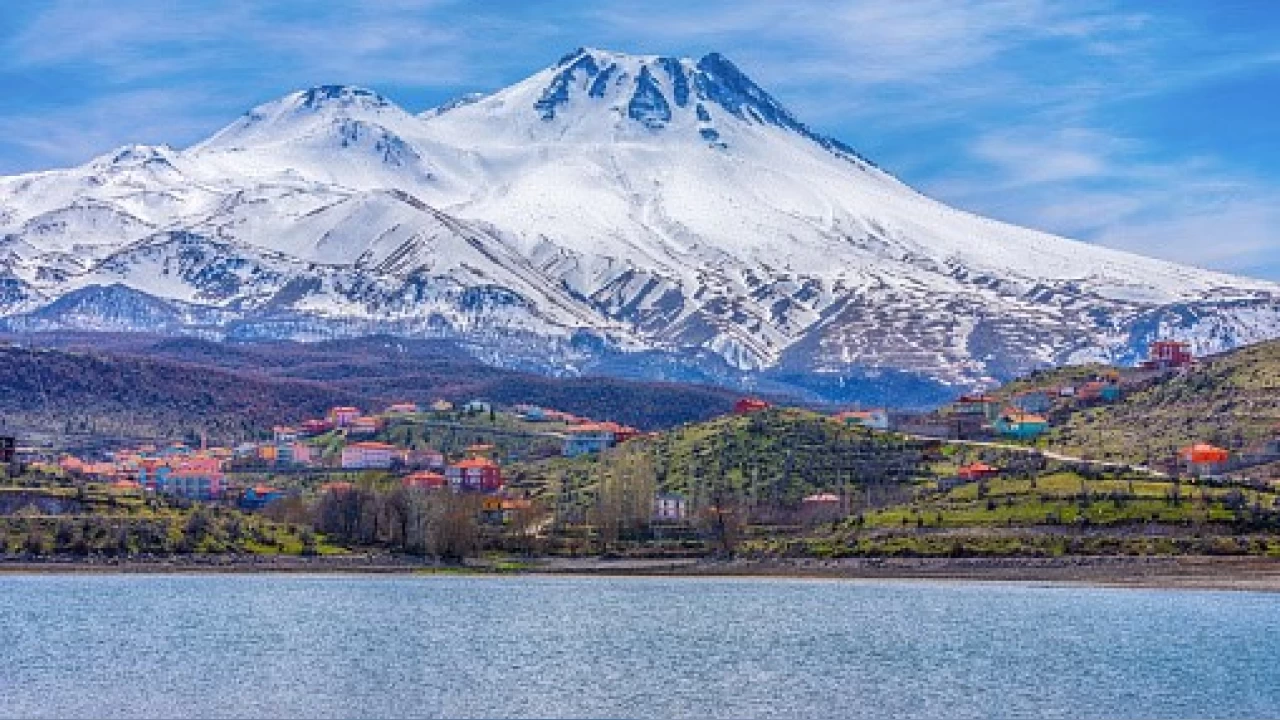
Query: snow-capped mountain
x=628, y=214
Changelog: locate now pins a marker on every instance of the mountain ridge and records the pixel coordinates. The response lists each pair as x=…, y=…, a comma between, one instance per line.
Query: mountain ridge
x=609, y=207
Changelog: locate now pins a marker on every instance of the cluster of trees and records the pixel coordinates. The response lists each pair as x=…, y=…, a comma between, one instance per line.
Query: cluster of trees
x=201, y=529
x=379, y=511
x=418, y=521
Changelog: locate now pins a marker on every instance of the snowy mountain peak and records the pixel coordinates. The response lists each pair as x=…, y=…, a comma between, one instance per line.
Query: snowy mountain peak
x=136, y=157
x=607, y=204
x=324, y=108
x=344, y=96
x=593, y=94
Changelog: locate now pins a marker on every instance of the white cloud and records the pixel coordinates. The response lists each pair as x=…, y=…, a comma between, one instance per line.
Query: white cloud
x=73, y=134
x=1084, y=183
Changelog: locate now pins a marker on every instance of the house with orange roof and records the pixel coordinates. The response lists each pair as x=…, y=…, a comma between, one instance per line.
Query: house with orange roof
x=977, y=471
x=401, y=408
x=260, y=496
x=364, y=427
x=587, y=438
x=425, y=480
x=475, y=474
x=71, y=464
x=343, y=416
x=195, y=477
x=368, y=456
x=1204, y=459
x=876, y=419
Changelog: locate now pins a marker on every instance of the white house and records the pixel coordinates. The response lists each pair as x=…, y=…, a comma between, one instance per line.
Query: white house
x=368, y=456
x=669, y=506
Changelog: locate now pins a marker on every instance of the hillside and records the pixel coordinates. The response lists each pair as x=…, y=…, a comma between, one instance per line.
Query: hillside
x=763, y=463
x=144, y=386
x=1231, y=400
x=98, y=395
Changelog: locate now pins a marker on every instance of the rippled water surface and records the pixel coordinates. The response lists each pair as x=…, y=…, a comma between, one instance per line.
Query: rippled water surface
x=358, y=646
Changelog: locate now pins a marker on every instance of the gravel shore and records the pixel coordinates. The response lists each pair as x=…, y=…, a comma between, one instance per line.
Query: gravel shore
x=1194, y=572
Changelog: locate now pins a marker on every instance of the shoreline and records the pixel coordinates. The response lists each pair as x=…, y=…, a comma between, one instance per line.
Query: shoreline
x=1259, y=574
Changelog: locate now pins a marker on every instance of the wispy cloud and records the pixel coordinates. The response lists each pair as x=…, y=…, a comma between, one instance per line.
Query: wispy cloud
x=1114, y=191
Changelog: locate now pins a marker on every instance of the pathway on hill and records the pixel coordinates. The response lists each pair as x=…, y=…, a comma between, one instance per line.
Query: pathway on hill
x=1104, y=464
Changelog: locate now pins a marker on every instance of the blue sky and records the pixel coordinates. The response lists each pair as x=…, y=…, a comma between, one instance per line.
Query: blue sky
x=1148, y=126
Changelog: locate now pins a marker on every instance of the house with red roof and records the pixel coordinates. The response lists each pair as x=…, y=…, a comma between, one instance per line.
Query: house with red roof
x=977, y=471
x=475, y=474
x=1204, y=459
x=1168, y=355
x=749, y=405
x=311, y=428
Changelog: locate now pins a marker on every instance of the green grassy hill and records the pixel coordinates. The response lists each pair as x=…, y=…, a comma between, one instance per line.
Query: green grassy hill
x=42, y=520
x=1231, y=400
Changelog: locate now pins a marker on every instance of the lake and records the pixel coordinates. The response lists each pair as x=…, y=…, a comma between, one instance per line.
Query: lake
x=459, y=646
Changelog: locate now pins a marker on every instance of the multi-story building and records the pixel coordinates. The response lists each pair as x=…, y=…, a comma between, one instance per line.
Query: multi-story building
x=368, y=456
x=587, y=439
x=476, y=474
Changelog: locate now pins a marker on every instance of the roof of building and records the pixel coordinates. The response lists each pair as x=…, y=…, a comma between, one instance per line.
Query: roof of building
x=1022, y=418
x=371, y=446
x=477, y=462
x=1204, y=452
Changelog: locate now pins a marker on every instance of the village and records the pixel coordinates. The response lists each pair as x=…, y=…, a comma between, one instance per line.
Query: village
x=463, y=448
